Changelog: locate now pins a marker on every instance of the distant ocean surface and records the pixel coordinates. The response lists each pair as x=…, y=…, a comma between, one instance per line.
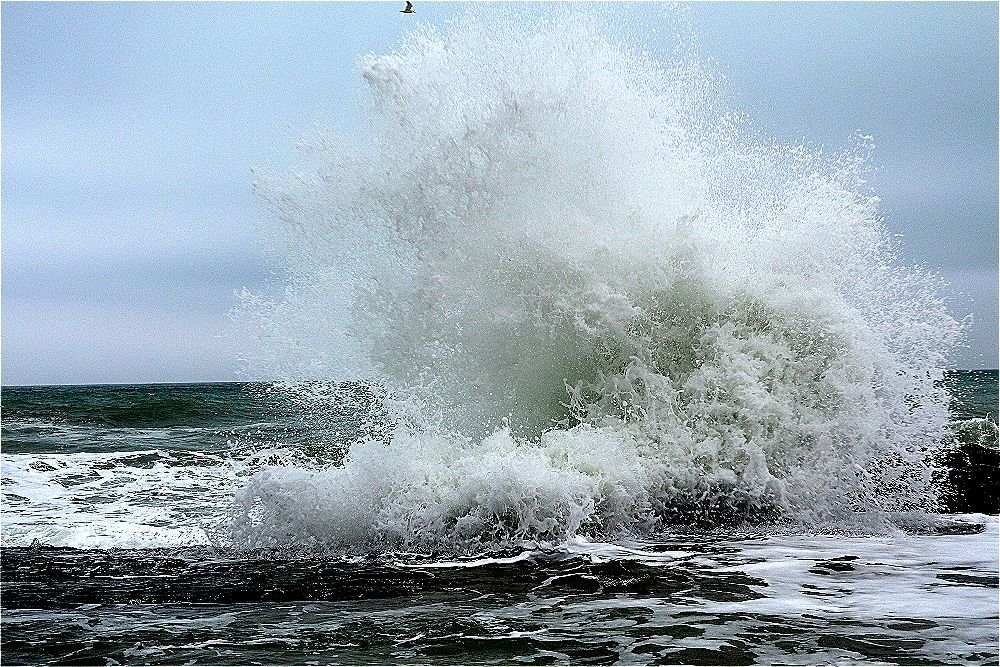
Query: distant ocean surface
x=115, y=508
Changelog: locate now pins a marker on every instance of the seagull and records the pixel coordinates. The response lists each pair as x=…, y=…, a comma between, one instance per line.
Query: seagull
x=409, y=8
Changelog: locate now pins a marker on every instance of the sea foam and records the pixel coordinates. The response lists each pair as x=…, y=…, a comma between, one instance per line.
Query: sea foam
x=595, y=305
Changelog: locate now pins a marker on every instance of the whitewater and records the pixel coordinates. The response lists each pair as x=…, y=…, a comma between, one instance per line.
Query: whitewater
x=593, y=303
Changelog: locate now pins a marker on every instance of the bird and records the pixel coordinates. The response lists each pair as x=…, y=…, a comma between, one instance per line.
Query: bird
x=409, y=8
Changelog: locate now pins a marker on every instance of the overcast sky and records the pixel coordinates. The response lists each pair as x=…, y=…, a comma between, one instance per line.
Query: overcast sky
x=129, y=132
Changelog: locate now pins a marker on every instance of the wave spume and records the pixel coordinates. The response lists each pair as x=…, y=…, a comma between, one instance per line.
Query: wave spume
x=595, y=304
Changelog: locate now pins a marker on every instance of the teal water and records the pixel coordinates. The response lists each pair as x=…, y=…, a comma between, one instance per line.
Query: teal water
x=974, y=394
x=115, y=509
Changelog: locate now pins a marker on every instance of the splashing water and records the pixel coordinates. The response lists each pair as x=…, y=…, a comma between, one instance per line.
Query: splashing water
x=595, y=307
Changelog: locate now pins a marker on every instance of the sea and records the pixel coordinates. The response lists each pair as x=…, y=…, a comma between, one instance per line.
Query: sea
x=566, y=363
x=114, y=497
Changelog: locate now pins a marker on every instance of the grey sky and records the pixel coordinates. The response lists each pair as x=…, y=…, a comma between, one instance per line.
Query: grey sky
x=130, y=132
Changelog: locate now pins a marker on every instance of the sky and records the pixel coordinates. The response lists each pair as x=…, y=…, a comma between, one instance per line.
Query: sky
x=130, y=132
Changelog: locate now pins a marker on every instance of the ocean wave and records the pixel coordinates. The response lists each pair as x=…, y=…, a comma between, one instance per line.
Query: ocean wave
x=595, y=305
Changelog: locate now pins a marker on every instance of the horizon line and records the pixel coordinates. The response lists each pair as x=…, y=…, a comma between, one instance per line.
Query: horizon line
x=274, y=381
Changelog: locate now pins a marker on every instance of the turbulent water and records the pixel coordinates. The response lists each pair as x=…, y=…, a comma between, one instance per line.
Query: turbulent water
x=570, y=366
x=117, y=502
x=595, y=305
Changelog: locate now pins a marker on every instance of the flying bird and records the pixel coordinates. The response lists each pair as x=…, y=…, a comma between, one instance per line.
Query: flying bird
x=409, y=8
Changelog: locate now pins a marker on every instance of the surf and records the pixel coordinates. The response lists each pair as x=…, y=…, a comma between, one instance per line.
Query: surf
x=591, y=303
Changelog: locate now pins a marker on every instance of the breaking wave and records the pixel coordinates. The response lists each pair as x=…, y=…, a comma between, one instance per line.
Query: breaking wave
x=592, y=303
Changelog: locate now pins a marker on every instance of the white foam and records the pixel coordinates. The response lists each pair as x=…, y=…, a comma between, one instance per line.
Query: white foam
x=137, y=499
x=592, y=299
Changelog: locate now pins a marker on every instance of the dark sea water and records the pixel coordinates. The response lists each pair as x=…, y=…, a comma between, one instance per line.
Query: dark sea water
x=116, y=549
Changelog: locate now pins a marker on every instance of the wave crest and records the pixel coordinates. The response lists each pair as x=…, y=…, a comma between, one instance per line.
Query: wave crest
x=596, y=305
